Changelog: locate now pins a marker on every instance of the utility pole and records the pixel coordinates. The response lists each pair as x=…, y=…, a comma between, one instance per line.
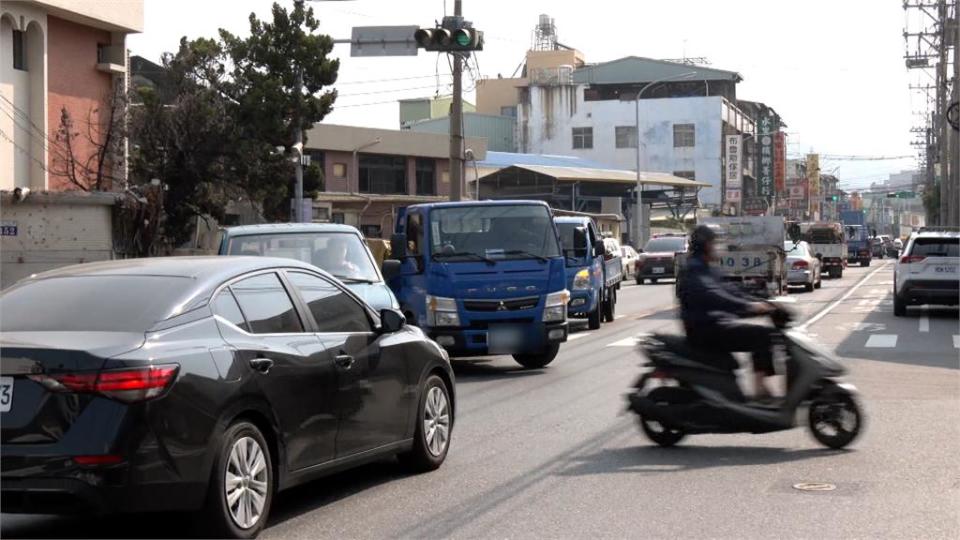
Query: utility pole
x=954, y=172
x=298, y=151
x=456, y=119
x=943, y=139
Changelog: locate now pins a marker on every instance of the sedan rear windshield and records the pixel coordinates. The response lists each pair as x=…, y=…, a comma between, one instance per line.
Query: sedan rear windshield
x=342, y=254
x=936, y=247
x=115, y=303
x=664, y=244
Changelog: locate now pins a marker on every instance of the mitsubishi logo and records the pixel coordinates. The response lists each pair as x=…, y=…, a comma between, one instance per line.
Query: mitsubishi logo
x=502, y=306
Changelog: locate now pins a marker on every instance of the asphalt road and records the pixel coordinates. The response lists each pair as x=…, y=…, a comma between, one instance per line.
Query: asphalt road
x=548, y=454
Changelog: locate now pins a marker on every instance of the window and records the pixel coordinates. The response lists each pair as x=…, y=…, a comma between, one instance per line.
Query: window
x=689, y=175
x=626, y=136
x=510, y=111
x=371, y=231
x=340, y=170
x=19, y=54
x=117, y=303
x=332, y=309
x=225, y=305
x=927, y=247
x=445, y=177
x=414, y=230
x=520, y=231
x=684, y=135
x=340, y=253
x=383, y=174
x=426, y=177
x=267, y=306
x=338, y=217
x=582, y=138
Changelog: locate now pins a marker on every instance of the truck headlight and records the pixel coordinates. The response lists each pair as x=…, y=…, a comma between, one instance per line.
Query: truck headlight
x=555, y=308
x=581, y=281
x=442, y=311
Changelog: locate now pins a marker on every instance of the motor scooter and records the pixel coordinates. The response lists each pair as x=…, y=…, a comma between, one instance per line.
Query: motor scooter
x=689, y=391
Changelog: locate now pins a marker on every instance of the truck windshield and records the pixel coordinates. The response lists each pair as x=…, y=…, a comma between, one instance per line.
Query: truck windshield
x=496, y=232
x=342, y=254
x=568, y=239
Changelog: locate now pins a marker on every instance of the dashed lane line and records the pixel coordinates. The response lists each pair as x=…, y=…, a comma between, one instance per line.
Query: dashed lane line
x=881, y=341
x=956, y=342
x=925, y=321
x=579, y=335
x=627, y=342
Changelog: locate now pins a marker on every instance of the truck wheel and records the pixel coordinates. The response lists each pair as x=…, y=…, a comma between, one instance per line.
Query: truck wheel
x=610, y=306
x=864, y=262
x=538, y=360
x=593, y=318
x=653, y=281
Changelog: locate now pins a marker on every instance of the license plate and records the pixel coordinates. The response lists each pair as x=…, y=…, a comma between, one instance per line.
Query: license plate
x=6, y=393
x=659, y=270
x=945, y=269
x=503, y=340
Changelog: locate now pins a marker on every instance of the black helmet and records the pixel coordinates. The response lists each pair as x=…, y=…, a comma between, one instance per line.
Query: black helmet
x=701, y=236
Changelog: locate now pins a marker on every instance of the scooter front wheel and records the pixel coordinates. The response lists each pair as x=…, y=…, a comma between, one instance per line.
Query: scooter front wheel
x=835, y=420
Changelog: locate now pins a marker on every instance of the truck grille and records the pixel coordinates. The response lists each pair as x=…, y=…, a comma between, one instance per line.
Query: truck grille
x=513, y=304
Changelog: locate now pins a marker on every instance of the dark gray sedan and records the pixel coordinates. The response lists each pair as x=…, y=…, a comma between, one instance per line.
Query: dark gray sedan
x=205, y=383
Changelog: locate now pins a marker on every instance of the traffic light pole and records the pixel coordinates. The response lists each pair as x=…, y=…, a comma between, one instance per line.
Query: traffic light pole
x=456, y=120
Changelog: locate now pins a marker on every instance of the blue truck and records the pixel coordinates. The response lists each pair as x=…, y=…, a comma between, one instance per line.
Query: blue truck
x=859, y=248
x=593, y=274
x=483, y=278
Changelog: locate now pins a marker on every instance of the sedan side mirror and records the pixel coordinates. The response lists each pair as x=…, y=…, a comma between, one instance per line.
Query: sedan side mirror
x=391, y=269
x=391, y=321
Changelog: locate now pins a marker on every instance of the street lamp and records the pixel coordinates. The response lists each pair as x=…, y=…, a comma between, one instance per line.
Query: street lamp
x=639, y=212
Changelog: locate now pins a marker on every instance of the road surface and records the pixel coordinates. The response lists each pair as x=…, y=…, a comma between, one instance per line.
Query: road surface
x=548, y=454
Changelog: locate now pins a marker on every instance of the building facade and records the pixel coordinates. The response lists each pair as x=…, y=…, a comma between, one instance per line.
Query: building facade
x=56, y=56
x=369, y=173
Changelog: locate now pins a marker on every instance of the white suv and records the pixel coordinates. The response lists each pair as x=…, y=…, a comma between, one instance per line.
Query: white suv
x=928, y=271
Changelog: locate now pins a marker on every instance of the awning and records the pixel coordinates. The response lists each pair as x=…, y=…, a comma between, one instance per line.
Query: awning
x=609, y=176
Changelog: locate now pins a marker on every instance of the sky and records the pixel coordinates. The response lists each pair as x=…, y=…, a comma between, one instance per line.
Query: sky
x=833, y=69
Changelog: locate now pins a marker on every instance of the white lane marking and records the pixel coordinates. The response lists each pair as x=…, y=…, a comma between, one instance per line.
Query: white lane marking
x=882, y=341
x=825, y=311
x=619, y=317
x=956, y=342
x=924, y=321
x=628, y=342
x=572, y=337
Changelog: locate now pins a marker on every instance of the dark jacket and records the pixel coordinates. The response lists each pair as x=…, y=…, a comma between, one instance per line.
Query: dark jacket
x=705, y=299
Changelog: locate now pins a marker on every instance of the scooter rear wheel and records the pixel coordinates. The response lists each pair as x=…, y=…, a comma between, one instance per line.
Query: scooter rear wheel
x=835, y=420
x=655, y=431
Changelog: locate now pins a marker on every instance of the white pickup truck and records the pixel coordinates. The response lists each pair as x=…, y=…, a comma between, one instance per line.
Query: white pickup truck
x=828, y=244
x=750, y=252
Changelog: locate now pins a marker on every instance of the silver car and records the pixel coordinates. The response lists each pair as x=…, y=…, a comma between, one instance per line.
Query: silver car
x=803, y=268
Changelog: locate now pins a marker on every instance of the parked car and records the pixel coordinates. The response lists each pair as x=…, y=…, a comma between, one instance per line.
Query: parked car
x=628, y=257
x=928, y=272
x=337, y=249
x=803, y=267
x=205, y=383
x=658, y=258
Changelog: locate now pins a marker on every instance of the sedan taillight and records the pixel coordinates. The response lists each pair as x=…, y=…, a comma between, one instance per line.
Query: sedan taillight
x=907, y=259
x=800, y=265
x=127, y=385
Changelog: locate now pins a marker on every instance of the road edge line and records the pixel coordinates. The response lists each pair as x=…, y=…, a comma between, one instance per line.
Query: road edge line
x=825, y=311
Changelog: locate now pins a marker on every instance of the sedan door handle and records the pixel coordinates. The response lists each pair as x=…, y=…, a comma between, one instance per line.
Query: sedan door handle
x=345, y=361
x=262, y=365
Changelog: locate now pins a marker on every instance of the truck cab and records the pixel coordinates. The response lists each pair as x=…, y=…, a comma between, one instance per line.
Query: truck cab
x=483, y=278
x=593, y=272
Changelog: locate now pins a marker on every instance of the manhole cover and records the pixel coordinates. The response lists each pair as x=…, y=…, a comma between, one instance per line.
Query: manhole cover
x=814, y=486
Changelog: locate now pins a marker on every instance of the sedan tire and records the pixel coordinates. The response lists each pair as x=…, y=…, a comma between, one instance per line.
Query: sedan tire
x=241, y=485
x=434, y=425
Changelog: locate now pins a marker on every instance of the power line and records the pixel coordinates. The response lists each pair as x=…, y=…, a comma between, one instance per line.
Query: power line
x=415, y=77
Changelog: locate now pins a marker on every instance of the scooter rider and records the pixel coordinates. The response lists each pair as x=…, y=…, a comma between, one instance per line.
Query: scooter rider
x=710, y=309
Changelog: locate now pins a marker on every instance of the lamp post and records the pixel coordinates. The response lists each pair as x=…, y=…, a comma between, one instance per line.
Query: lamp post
x=639, y=211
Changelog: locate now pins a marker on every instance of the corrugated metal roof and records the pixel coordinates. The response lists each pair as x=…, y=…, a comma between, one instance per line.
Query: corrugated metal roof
x=618, y=176
x=636, y=69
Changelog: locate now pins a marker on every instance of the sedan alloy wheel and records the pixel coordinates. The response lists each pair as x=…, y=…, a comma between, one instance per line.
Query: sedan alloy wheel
x=436, y=421
x=246, y=482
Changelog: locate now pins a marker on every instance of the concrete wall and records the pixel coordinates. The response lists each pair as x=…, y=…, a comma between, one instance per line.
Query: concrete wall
x=492, y=94
x=546, y=125
x=332, y=137
x=499, y=131
x=117, y=16
x=53, y=231
x=351, y=184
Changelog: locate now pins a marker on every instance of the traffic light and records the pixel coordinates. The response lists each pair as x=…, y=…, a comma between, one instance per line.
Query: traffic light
x=832, y=198
x=451, y=37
